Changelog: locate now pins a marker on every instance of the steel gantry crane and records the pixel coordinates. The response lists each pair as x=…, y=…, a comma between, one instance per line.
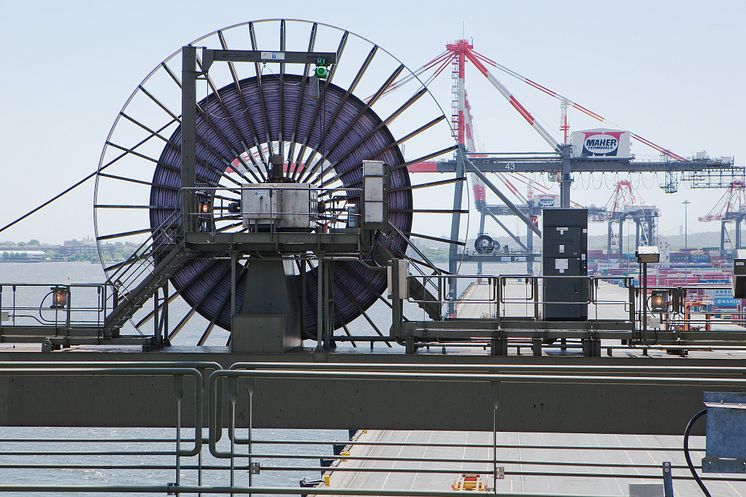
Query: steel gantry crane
x=730, y=208
x=561, y=162
x=621, y=206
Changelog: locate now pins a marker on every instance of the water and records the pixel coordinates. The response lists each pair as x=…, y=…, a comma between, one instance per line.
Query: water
x=55, y=272
x=83, y=272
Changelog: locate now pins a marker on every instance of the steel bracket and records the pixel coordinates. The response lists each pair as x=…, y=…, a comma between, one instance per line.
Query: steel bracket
x=726, y=433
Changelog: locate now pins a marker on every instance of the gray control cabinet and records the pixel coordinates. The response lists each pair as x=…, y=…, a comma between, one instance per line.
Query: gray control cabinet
x=565, y=249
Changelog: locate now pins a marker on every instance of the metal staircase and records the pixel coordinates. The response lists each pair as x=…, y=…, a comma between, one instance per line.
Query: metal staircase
x=149, y=268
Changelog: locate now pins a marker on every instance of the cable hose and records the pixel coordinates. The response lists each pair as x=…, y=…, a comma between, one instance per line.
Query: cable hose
x=201, y=283
x=688, y=458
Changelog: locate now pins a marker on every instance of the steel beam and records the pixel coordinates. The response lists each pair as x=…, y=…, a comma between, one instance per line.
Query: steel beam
x=473, y=169
x=555, y=164
x=188, y=134
x=264, y=56
x=458, y=193
x=566, y=178
x=629, y=402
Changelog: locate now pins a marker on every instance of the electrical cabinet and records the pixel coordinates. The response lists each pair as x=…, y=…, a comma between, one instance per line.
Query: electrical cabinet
x=565, y=264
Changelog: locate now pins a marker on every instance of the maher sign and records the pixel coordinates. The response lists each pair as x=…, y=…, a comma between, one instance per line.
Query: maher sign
x=547, y=200
x=606, y=143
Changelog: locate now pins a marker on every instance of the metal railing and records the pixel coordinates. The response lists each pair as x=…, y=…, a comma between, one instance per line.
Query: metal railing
x=173, y=469
x=178, y=371
x=501, y=302
x=53, y=305
x=80, y=309
x=518, y=310
x=143, y=260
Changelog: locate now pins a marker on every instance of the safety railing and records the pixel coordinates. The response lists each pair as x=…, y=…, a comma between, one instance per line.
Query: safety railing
x=52, y=305
x=76, y=455
x=575, y=312
x=690, y=307
x=240, y=384
x=589, y=291
x=523, y=296
x=180, y=461
x=128, y=273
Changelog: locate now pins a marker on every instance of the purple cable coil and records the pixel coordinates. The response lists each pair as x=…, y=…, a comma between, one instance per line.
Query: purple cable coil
x=205, y=283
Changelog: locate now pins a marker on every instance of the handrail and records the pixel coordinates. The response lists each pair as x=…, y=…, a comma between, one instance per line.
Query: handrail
x=143, y=253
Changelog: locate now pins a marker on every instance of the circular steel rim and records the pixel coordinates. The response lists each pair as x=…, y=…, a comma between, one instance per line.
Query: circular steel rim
x=213, y=34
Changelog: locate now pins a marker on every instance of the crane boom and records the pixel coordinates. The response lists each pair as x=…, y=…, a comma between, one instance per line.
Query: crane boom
x=541, y=130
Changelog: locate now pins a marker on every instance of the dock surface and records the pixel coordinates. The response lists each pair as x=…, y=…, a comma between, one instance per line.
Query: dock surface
x=535, y=463
x=620, y=471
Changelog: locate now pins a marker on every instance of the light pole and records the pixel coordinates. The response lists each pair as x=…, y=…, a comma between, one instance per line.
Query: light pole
x=686, y=223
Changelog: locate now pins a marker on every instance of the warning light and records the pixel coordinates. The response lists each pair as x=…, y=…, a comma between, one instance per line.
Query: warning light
x=60, y=297
x=321, y=72
x=659, y=302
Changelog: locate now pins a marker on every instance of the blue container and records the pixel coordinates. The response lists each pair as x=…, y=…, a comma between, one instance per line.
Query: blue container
x=726, y=302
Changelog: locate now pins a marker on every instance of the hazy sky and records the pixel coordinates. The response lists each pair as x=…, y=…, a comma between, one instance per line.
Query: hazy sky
x=671, y=71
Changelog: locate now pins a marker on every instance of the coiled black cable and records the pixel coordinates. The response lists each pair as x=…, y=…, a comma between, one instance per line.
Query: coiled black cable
x=204, y=284
x=688, y=458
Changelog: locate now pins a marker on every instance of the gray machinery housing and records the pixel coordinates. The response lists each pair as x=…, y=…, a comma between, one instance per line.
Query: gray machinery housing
x=565, y=240
x=739, y=274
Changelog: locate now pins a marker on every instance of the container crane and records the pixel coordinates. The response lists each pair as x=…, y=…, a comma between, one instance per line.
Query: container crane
x=730, y=208
x=561, y=162
x=565, y=159
x=621, y=206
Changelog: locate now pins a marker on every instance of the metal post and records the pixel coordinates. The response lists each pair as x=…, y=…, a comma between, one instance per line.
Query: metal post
x=232, y=436
x=178, y=442
x=644, y=300
x=156, y=317
x=396, y=302
x=165, y=312
x=651, y=229
x=667, y=480
x=234, y=261
x=621, y=239
x=609, y=232
x=188, y=135
x=686, y=223
x=320, y=304
x=481, y=232
x=738, y=232
x=566, y=181
x=494, y=394
x=458, y=194
x=179, y=392
x=722, y=238
x=329, y=305
x=199, y=472
x=251, y=421
x=70, y=307
x=637, y=233
x=304, y=293
x=530, y=248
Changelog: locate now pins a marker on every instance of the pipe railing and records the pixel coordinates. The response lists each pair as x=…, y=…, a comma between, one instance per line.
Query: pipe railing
x=34, y=304
x=239, y=382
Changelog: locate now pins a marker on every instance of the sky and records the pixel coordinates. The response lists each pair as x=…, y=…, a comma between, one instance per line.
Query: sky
x=672, y=71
